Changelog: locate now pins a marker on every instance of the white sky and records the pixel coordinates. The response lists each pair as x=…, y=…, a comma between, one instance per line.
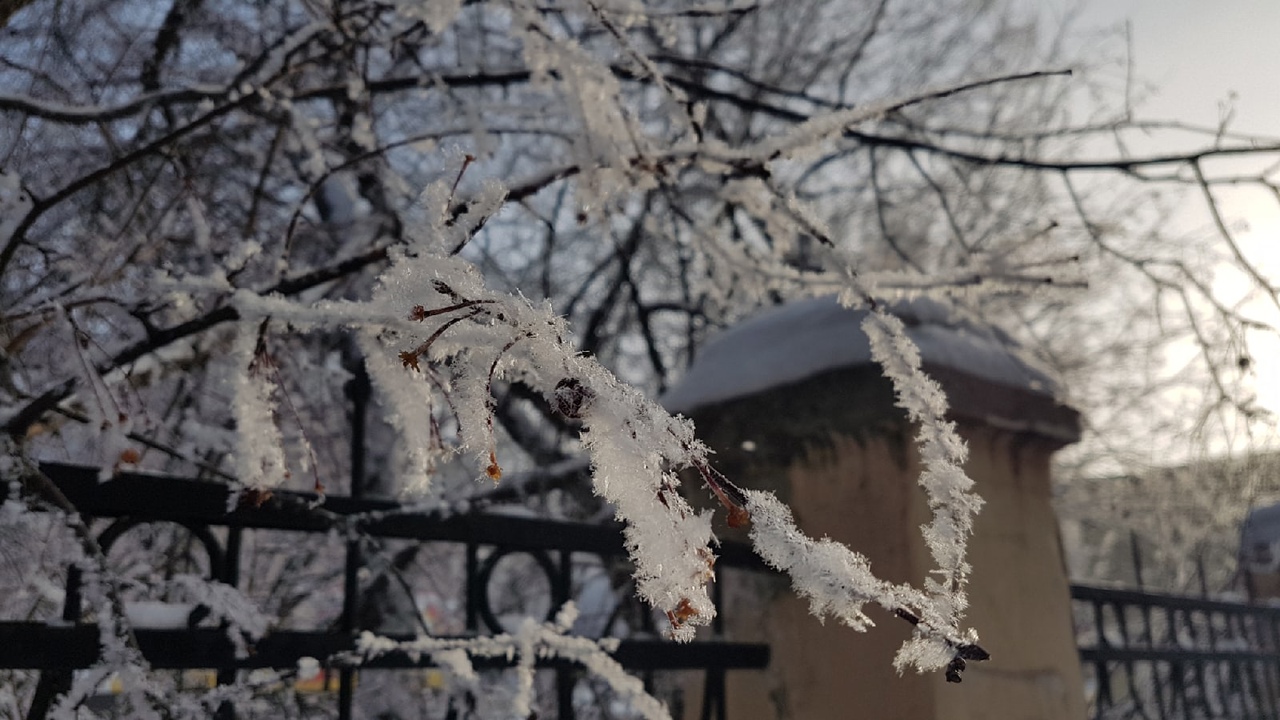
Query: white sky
x=1197, y=51
x=1198, y=57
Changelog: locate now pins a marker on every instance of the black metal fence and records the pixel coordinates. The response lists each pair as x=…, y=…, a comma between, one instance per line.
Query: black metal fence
x=1145, y=655
x=1155, y=656
x=132, y=499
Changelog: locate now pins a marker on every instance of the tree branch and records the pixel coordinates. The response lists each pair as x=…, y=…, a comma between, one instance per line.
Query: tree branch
x=18, y=425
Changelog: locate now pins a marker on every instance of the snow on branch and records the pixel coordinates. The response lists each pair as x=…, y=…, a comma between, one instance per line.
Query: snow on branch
x=455, y=337
x=412, y=413
x=259, y=457
x=532, y=641
x=943, y=453
x=85, y=114
x=225, y=604
x=839, y=582
x=119, y=656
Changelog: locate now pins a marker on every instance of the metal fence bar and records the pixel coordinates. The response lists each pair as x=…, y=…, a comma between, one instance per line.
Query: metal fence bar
x=35, y=645
x=357, y=390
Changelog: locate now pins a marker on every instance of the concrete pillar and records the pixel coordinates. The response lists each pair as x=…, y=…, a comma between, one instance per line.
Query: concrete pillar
x=833, y=445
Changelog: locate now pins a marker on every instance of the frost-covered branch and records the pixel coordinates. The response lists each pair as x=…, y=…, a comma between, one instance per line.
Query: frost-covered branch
x=18, y=424
x=118, y=647
x=943, y=453
x=640, y=176
x=61, y=112
x=531, y=642
x=839, y=582
x=636, y=448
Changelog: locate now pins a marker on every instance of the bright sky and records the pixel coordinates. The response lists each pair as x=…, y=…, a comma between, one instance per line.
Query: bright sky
x=1198, y=51
x=1202, y=56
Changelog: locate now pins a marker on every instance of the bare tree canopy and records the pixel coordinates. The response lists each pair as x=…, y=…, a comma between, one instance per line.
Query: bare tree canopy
x=522, y=219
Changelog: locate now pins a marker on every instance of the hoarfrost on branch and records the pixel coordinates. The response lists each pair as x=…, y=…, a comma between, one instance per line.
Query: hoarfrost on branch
x=636, y=162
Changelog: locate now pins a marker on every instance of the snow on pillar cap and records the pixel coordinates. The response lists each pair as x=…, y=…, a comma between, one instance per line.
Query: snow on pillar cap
x=986, y=377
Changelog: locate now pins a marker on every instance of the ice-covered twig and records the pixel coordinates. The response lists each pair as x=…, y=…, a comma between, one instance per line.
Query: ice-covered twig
x=839, y=582
x=475, y=334
x=259, y=458
x=225, y=603
x=532, y=641
x=943, y=453
x=119, y=653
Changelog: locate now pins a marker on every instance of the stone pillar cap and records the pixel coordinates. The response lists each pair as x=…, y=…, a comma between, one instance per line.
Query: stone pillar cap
x=986, y=376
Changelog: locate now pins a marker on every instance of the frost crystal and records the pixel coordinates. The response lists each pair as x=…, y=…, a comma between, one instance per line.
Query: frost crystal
x=259, y=456
x=531, y=642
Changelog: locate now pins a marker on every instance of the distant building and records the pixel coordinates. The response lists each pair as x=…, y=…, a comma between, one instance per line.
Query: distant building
x=1191, y=528
x=1260, y=553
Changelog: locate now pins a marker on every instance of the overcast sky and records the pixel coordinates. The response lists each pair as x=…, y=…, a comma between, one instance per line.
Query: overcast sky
x=1196, y=51
x=1191, y=60
x=1200, y=56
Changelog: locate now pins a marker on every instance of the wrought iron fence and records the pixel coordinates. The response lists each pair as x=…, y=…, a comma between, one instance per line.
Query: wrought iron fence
x=551, y=546
x=1145, y=655
x=1163, y=657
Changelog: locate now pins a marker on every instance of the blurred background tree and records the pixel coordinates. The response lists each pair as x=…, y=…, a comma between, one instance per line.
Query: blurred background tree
x=163, y=159
x=290, y=141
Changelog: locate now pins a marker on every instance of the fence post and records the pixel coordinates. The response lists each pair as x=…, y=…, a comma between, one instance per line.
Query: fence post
x=357, y=390
x=53, y=683
x=1135, y=550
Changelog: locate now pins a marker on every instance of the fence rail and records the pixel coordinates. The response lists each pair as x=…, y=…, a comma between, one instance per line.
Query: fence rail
x=39, y=645
x=1166, y=657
